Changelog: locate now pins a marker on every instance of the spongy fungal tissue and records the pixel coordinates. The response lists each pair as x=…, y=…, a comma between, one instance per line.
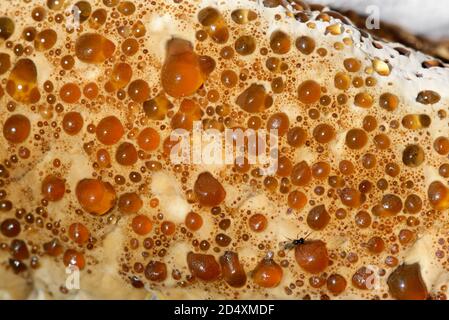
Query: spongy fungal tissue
x=358, y=207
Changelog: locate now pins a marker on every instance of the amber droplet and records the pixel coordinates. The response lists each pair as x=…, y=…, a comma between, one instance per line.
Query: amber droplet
x=53, y=188
x=209, y=190
x=156, y=271
x=19, y=250
x=193, y=221
x=148, y=139
x=351, y=197
x=267, y=274
x=53, y=248
x=79, y=233
x=406, y=283
x=376, y=245
x=72, y=123
x=389, y=101
x=324, y=133
x=318, y=218
x=126, y=154
x=257, y=222
x=214, y=24
x=390, y=205
x=93, y=48
x=280, y=42
x=16, y=128
x=309, y=92
x=203, y=266
x=17, y=266
x=245, y=45
x=336, y=284
x=438, y=195
x=82, y=9
x=90, y=90
x=138, y=90
x=229, y=78
x=130, y=47
x=416, y=121
x=141, y=225
x=342, y=81
x=6, y=28
x=382, y=141
x=305, y=45
x=413, y=156
x=10, y=228
x=95, y=196
x=301, y=174
x=188, y=113
x=109, y=130
x=138, y=29
x=157, y=108
x=441, y=145
x=381, y=67
x=98, y=18
x=254, y=99
x=74, y=258
x=279, y=122
x=232, y=269
x=5, y=62
x=22, y=82
x=45, y=40
x=168, y=228
x=363, y=100
x=120, y=76
x=103, y=158
x=321, y=170
x=181, y=73
x=297, y=200
x=243, y=16
x=126, y=8
x=363, y=219
x=312, y=256
x=129, y=203
x=356, y=139
x=352, y=64
x=70, y=93
x=296, y=137
x=364, y=279
x=413, y=204
x=428, y=97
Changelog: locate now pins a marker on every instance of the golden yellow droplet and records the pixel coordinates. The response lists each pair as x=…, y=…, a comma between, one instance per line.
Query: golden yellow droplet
x=381, y=67
x=335, y=29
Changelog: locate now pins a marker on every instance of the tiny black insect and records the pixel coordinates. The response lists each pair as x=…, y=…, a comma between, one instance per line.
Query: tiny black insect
x=292, y=243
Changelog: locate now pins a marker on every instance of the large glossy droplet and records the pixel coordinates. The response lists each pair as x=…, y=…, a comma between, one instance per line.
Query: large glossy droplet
x=22, y=82
x=181, y=73
x=16, y=128
x=233, y=272
x=214, y=23
x=406, y=283
x=93, y=48
x=6, y=28
x=438, y=195
x=267, y=274
x=95, y=196
x=254, y=99
x=312, y=256
x=209, y=190
x=203, y=266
